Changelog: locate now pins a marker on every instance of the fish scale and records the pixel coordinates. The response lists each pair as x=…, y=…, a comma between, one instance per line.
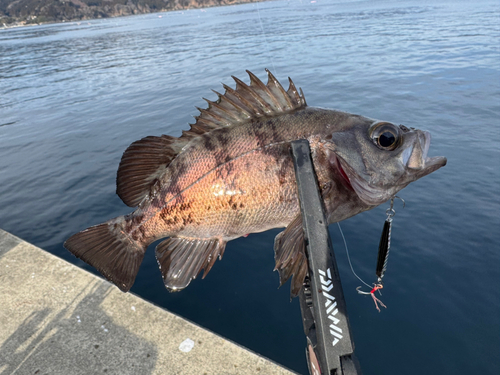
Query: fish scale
x=267, y=202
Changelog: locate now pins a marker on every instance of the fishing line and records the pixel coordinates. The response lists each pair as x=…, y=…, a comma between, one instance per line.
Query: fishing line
x=265, y=38
x=349, y=258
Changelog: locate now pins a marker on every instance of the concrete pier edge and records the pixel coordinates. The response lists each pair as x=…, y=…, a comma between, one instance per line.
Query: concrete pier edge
x=56, y=318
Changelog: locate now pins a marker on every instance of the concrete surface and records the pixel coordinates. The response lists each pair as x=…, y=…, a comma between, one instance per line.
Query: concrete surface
x=58, y=319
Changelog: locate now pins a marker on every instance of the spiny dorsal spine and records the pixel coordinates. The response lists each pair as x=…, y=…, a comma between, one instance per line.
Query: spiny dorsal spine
x=248, y=101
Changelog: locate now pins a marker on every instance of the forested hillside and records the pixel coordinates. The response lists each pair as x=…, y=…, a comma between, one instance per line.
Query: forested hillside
x=41, y=11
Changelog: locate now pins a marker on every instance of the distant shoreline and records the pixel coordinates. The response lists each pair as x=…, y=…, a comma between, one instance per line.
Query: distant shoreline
x=22, y=13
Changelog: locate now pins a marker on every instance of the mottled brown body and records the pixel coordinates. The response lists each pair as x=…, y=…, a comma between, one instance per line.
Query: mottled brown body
x=236, y=180
x=232, y=174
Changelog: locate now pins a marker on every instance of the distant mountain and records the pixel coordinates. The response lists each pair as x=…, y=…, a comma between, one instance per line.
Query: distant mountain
x=21, y=12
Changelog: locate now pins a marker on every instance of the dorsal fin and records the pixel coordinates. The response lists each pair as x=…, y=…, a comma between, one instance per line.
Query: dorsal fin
x=247, y=102
x=144, y=162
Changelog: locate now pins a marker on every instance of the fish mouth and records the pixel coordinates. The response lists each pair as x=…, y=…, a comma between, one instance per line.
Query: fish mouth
x=435, y=162
x=415, y=157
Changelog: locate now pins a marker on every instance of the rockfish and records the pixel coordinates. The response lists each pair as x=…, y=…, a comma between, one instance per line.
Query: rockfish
x=232, y=174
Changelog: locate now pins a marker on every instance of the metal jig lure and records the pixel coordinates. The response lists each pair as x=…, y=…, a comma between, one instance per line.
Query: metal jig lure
x=383, y=254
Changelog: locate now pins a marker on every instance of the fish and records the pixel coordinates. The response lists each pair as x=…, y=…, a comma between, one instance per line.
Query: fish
x=232, y=174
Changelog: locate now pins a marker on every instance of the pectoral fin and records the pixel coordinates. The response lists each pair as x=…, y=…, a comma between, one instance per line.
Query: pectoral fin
x=290, y=256
x=181, y=259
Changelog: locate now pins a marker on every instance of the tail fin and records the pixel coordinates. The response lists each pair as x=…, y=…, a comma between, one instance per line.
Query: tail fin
x=106, y=247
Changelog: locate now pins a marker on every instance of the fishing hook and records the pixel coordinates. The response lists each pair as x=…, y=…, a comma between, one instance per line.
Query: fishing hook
x=390, y=212
x=372, y=293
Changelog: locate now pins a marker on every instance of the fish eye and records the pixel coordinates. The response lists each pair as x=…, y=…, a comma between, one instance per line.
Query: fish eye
x=386, y=139
x=385, y=135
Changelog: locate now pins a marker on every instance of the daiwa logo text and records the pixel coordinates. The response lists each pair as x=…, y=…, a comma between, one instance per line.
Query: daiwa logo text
x=330, y=305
